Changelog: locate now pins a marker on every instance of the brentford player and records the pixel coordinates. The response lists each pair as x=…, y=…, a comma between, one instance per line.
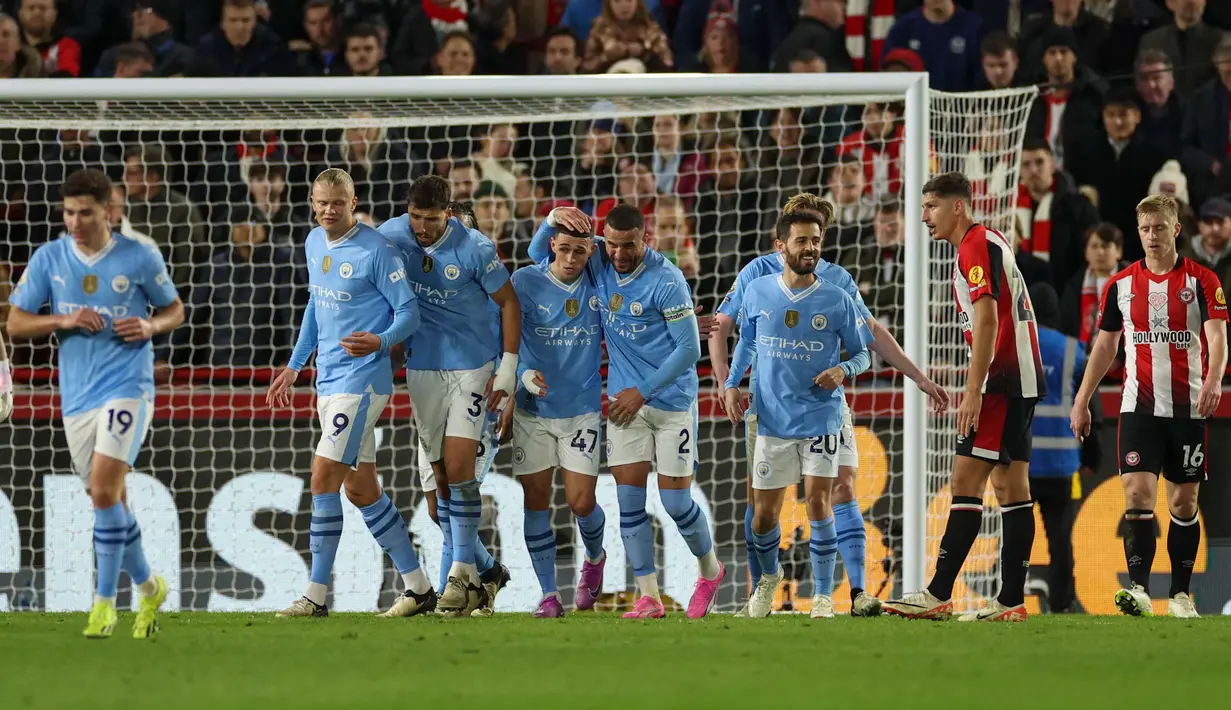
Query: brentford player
x=1173, y=314
x=1004, y=380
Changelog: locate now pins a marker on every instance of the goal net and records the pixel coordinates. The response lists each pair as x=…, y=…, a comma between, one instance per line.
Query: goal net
x=216, y=173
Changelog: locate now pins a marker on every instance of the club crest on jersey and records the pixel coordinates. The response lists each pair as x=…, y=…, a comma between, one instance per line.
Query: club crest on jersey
x=427, y=265
x=594, y=303
x=161, y=279
x=519, y=455
x=572, y=307
x=452, y=272
x=975, y=277
x=819, y=322
x=89, y=284
x=1186, y=295
x=1132, y=458
x=635, y=308
x=345, y=270
x=791, y=319
x=763, y=469
x=1220, y=297
x=326, y=264
x=119, y=284
x=617, y=300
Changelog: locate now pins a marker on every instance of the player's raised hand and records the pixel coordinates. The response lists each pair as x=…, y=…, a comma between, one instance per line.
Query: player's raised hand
x=571, y=218
x=968, y=413
x=279, y=394
x=361, y=344
x=133, y=329
x=733, y=404
x=534, y=383
x=1208, y=398
x=705, y=324
x=830, y=379
x=86, y=319
x=625, y=406
x=1079, y=421
x=936, y=394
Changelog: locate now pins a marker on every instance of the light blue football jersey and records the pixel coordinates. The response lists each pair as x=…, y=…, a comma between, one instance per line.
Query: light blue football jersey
x=562, y=337
x=356, y=283
x=124, y=279
x=799, y=335
x=454, y=279
x=775, y=264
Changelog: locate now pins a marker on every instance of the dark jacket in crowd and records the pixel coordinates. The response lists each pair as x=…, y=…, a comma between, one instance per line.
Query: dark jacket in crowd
x=264, y=55
x=1203, y=141
x=170, y=57
x=1190, y=53
x=1122, y=180
x=829, y=43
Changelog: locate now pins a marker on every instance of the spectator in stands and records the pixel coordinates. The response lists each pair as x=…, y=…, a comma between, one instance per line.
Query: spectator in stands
x=1079, y=306
x=496, y=47
x=1188, y=42
x=525, y=196
x=1119, y=165
x=224, y=180
x=494, y=158
x=1090, y=30
x=118, y=213
x=1054, y=215
x=381, y=168
x=240, y=46
x=16, y=61
x=1129, y=20
x=61, y=55
x=456, y=56
x=594, y=168
x=902, y=59
x=878, y=146
x=365, y=51
x=551, y=142
x=150, y=26
x=788, y=166
x=818, y=30
x=72, y=150
x=1203, y=140
x=463, y=176
x=1001, y=63
x=164, y=214
x=267, y=194
x=561, y=51
x=806, y=61
x=677, y=167
x=132, y=60
x=847, y=191
x=244, y=311
x=634, y=187
x=581, y=15
x=729, y=219
x=493, y=210
x=1211, y=246
x=318, y=55
x=991, y=166
x=1067, y=111
x=668, y=233
x=878, y=265
x=720, y=53
x=947, y=37
x=1162, y=116
x=625, y=30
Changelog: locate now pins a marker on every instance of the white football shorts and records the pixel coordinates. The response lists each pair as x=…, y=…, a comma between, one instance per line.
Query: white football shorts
x=779, y=463
x=448, y=403
x=541, y=444
x=666, y=439
x=116, y=430
x=848, y=452
x=348, y=427
x=488, y=447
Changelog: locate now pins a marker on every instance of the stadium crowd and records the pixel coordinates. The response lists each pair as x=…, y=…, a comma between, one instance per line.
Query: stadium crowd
x=1134, y=100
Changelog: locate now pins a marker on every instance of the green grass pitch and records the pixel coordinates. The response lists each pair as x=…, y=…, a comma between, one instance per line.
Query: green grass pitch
x=225, y=661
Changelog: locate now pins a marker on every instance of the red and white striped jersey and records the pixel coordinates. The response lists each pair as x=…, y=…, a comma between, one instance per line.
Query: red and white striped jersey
x=985, y=267
x=1163, y=319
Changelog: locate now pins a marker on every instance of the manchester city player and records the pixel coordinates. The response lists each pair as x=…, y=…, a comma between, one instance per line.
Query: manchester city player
x=653, y=345
x=101, y=286
x=798, y=325
x=360, y=306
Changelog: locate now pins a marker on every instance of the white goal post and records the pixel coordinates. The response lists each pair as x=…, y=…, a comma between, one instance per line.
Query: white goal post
x=941, y=131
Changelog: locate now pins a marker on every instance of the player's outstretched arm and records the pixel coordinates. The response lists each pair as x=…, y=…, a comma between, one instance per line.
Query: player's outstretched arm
x=719, y=351
x=1211, y=388
x=505, y=381
x=570, y=217
x=308, y=337
x=1101, y=356
x=884, y=344
x=745, y=350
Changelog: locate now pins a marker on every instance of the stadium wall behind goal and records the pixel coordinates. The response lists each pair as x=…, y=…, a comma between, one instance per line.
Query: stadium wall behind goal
x=228, y=503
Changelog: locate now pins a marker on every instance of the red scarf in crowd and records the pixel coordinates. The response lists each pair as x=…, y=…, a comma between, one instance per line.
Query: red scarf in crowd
x=867, y=22
x=1035, y=221
x=446, y=17
x=1090, y=293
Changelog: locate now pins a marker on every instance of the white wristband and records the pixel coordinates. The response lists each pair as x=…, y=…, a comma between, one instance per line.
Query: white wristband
x=506, y=374
x=527, y=379
x=551, y=219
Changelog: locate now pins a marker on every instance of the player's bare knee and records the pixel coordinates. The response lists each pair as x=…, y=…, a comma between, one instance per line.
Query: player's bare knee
x=362, y=486
x=327, y=476
x=459, y=466
x=843, y=489
x=819, y=502
x=582, y=503
x=1182, y=500
x=1140, y=490
x=764, y=519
